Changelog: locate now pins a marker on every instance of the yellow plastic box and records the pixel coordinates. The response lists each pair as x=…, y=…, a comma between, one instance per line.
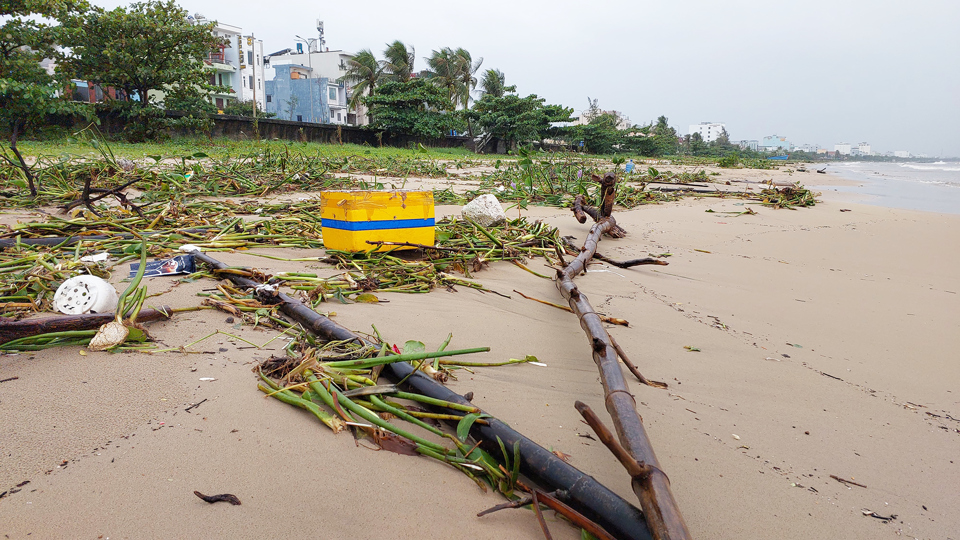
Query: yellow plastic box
x=352, y=218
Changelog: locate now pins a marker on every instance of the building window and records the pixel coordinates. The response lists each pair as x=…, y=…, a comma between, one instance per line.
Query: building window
x=332, y=94
x=251, y=82
x=269, y=98
x=338, y=117
x=250, y=57
x=299, y=118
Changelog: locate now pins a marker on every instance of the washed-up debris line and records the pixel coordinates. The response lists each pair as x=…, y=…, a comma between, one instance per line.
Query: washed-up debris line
x=335, y=375
x=541, y=179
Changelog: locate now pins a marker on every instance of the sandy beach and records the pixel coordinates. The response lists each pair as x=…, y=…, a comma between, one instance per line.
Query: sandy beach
x=825, y=342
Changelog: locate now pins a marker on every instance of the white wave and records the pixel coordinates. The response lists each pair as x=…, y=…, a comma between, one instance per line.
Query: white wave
x=927, y=167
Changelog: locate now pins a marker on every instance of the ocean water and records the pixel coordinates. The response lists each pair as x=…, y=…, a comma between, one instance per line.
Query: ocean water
x=932, y=187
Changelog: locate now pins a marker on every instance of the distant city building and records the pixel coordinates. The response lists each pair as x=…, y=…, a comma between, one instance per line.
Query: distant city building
x=901, y=153
x=237, y=66
x=864, y=149
x=811, y=148
x=709, y=131
x=324, y=65
x=295, y=95
x=747, y=145
x=773, y=143
x=584, y=118
x=844, y=148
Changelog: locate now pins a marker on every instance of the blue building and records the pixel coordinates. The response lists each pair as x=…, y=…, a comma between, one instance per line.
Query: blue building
x=775, y=143
x=295, y=95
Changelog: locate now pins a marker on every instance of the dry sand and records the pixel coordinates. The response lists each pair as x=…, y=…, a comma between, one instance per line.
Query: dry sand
x=825, y=339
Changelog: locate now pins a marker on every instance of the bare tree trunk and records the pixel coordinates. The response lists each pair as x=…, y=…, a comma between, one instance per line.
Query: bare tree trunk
x=16, y=126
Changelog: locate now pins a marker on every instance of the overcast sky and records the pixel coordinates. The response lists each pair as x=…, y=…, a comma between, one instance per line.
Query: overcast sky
x=816, y=71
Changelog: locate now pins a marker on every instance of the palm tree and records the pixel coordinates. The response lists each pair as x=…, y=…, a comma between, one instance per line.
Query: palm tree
x=399, y=60
x=445, y=72
x=466, y=68
x=365, y=70
x=493, y=83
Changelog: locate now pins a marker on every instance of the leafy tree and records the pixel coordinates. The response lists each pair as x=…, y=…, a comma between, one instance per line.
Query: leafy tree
x=399, y=61
x=27, y=91
x=413, y=107
x=665, y=137
x=600, y=135
x=149, y=48
x=516, y=119
x=695, y=143
x=493, y=83
x=723, y=140
x=365, y=71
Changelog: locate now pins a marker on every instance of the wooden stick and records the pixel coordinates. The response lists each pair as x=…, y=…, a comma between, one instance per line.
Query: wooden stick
x=604, y=318
x=845, y=481
x=660, y=509
x=633, y=368
x=575, y=517
x=539, y=513
x=11, y=330
x=633, y=467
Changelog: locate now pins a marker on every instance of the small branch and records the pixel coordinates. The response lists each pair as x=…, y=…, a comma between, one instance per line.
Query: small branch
x=539, y=513
x=225, y=497
x=845, y=481
x=408, y=244
x=634, y=468
x=633, y=368
x=575, y=517
x=604, y=318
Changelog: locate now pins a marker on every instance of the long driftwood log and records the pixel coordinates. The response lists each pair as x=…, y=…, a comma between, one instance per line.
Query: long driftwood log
x=577, y=488
x=11, y=330
x=653, y=489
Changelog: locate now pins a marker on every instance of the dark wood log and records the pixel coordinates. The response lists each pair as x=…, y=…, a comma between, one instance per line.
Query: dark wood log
x=653, y=490
x=11, y=330
x=581, y=491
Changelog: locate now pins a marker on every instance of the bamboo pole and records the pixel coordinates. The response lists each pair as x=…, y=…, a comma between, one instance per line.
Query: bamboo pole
x=11, y=330
x=580, y=490
x=653, y=490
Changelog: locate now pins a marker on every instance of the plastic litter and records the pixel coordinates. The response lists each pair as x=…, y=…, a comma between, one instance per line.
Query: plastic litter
x=99, y=257
x=85, y=294
x=181, y=264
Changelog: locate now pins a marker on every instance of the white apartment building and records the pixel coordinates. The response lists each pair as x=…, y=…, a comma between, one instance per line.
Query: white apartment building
x=864, y=149
x=901, y=153
x=843, y=148
x=238, y=66
x=709, y=131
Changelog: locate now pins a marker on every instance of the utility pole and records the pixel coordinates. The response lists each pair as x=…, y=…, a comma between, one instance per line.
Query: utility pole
x=310, y=78
x=253, y=65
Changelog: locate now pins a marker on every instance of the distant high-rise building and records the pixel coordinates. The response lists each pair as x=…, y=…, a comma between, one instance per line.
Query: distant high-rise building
x=843, y=148
x=709, y=131
x=864, y=149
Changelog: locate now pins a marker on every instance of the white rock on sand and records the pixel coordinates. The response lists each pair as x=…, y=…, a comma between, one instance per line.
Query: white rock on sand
x=485, y=210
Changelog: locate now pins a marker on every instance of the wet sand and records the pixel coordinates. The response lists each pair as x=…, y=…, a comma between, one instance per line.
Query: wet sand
x=827, y=347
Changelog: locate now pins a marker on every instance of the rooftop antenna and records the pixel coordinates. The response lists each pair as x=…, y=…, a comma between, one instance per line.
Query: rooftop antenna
x=321, y=41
